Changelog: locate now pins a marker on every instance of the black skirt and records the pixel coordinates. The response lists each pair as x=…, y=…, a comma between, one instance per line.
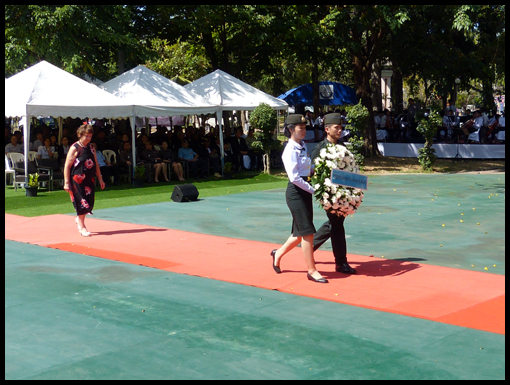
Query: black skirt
x=300, y=204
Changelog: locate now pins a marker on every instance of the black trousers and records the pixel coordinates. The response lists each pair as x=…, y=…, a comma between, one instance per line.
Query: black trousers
x=334, y=229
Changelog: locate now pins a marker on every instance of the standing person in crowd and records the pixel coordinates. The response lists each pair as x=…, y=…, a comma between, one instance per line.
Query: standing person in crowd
x=80, y=168
x=477, y=124
x=334, y=227
x=299, y=197
x=450, y=122
x=412, y=110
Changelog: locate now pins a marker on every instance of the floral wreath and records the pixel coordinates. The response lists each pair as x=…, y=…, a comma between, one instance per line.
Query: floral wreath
x=335, y=199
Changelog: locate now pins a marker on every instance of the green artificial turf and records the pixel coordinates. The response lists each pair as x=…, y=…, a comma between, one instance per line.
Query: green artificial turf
x=58, y=202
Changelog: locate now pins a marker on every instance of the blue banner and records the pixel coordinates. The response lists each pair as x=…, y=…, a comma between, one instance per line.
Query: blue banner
x=349, y=179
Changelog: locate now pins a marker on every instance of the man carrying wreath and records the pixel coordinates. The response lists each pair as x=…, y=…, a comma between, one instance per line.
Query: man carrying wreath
x=334, y=227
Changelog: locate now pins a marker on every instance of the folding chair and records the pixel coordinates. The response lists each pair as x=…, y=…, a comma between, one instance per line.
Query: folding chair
x=8, y=170
x=32, y=155
x=19, y=175
x=16, y=157
x=50, y=167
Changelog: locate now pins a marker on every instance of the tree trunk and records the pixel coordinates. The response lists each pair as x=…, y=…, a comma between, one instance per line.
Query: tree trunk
x=315, y=83
x=397, y=93
x=266, y=162
x=376, y=85
x=362, y=76
x=121, y=60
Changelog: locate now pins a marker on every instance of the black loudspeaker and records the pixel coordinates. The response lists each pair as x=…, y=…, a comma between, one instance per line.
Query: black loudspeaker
x=185, y=193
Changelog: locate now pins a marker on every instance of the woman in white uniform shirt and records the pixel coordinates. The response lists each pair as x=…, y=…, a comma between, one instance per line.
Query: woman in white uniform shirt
x=299, y=197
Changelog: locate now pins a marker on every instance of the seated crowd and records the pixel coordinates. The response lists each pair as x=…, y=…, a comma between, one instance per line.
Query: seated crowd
x=183, y=151
x=477, y=127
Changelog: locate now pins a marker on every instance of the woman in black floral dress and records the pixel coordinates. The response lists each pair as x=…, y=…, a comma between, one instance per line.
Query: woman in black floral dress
x=80, y=168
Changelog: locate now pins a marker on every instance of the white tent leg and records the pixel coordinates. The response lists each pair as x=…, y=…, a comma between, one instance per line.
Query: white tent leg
x=132, y=122
x=220, y=133
x=26, y=138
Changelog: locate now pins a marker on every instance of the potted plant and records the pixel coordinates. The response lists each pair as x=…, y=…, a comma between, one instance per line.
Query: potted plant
x=33, y=185
x=139, y=175
x=227, y=170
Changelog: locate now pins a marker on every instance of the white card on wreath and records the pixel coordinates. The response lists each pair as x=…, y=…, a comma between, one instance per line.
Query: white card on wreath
x=349, y=179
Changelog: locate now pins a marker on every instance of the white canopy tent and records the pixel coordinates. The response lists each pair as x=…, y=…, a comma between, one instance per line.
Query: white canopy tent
x=46, y=90
x=152, y=94
x=230, y=93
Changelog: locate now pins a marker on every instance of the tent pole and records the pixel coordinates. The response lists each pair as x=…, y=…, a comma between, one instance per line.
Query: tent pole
x=132, y=122
x=220, y=133
x=25, y=147
x=60, y=128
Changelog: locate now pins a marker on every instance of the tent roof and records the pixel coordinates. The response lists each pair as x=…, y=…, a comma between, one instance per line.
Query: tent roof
x=46, y=90
x=231, y=93
x=154, y=95
x=330, y=93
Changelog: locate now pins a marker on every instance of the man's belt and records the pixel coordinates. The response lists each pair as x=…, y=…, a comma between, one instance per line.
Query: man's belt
x=306, y=178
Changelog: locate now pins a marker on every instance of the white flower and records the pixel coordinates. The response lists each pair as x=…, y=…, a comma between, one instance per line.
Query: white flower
x=336, y=199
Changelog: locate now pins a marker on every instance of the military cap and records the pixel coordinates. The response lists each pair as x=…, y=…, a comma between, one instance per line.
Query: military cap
x=295, y=119
x=332, y=119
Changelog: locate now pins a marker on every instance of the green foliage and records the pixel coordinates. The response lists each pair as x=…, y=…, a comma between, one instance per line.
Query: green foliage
x=356, y=147
x=427, y=126
x=140, y=172
x=357, y=116
x=182, y=59
x=33, y=180
x=82, y=39
x=264, y=119
x=228, y=167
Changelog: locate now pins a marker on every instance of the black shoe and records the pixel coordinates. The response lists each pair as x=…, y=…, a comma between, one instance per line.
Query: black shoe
x=320, y=280
x=345, y=268
x=276, y=268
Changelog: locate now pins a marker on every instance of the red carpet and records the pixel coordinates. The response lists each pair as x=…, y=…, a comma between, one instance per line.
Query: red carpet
x=453, y=296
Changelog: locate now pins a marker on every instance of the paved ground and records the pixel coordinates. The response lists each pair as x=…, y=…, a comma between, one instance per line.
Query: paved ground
x=73, y=316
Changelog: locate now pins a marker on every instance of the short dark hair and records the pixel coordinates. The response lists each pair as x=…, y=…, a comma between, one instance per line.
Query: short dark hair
x=84, y=129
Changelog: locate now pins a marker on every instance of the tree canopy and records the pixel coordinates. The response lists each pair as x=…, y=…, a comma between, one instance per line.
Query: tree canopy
x=273, y=47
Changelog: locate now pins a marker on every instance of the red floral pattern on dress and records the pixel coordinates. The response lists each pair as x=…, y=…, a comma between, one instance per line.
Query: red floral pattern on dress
x=76, y=162
x=71, y=195
x=88, y=190
x=84, y=204
x=89, y=163
x=79, y=178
